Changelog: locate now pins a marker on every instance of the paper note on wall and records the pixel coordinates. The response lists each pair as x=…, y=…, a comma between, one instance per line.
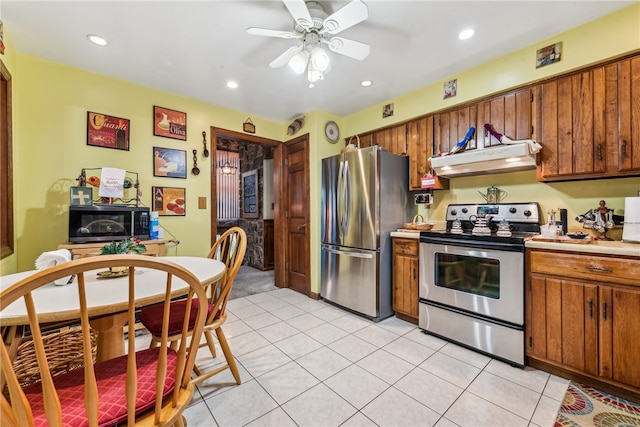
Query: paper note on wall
x=112, y=182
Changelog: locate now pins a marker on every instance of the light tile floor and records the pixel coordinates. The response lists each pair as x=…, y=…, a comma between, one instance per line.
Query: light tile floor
x=307, y=363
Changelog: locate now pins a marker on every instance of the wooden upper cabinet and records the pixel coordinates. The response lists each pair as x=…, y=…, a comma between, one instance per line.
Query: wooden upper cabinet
x=627, y=146
x=394, y=139
x=590, y=123
x=573, y=121
x=420, y=141
x=510, y=114
x=420, y=149
x=365, y=140
x=451, y=126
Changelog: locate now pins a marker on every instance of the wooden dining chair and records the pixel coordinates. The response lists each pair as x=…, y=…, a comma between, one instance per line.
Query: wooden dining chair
x=229, y=249
x=149, y=387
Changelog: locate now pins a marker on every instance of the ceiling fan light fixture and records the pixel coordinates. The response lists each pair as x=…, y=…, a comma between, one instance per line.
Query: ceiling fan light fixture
x=298, y=62
x=314, y=75
x=319, y=59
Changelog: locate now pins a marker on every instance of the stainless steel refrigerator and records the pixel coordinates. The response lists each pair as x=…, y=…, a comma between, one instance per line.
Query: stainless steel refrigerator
x=365, y=197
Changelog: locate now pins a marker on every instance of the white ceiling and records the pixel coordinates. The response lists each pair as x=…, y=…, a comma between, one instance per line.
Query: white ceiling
x=192, y=48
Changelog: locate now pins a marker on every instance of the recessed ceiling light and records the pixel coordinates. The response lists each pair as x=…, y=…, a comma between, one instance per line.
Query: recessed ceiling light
x=311, y=85
x=366, y=83
x=466, y=34
x=232, y=85
x=97, y=40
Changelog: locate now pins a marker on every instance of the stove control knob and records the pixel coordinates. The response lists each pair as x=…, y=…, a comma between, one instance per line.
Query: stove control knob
x=527, y=213
x=512, y=210
x=454, y=212
x=465, y=210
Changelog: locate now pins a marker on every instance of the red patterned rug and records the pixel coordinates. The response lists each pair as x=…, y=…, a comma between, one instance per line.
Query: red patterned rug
x=584, y=406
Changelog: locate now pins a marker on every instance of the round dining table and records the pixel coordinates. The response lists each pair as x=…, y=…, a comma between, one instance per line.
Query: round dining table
x=107, y=301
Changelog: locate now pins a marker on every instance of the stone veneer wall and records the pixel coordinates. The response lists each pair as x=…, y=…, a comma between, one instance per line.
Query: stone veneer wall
x=251, y=157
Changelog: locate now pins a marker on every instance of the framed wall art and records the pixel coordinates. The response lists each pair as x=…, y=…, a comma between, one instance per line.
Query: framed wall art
x=169, y=201
x=107, y=131
x=169, y=123
x=169, y=162
x=548, y=55
x=81, y=196
x=250, y=194
x=450, y=89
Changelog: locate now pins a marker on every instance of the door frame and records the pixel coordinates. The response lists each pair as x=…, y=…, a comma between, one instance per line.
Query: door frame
x=278, y=221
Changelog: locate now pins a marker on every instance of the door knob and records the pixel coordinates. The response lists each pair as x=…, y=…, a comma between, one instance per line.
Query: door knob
x=300, y=227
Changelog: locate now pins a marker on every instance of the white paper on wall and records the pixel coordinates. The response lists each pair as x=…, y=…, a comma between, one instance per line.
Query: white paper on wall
x=112, y=182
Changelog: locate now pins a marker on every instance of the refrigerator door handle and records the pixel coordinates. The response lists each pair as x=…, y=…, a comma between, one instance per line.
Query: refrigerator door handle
x=347, y=196
x=341, y=198
x=348, y=253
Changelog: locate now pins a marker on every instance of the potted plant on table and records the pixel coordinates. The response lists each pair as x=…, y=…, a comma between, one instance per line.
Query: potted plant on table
x=126, y=246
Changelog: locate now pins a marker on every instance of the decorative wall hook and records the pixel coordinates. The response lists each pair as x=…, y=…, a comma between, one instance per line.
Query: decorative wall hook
x=205, y=152
x=195, y=170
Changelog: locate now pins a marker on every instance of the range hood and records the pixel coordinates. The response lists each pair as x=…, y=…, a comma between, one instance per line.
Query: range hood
x=503, y=158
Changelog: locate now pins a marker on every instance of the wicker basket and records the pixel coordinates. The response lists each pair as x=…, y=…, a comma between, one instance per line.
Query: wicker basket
x=64, y=353
x=418, y=225
x=350, y=145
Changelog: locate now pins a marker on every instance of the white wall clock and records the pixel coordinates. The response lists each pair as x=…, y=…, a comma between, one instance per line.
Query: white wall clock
x=332, y=132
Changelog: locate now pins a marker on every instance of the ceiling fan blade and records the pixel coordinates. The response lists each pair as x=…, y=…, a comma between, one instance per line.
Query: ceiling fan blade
x=298, y=9
x=286, y=56
x=273, y=33
x=348, y=47
x=353, y=13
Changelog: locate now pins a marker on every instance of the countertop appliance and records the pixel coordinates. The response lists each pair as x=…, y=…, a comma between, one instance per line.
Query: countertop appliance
x=364, y=198
x=472, y=277
x=106, y=223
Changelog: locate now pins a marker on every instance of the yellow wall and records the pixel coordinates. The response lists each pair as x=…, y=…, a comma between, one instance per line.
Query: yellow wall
x=51, y=101
x=50, y=112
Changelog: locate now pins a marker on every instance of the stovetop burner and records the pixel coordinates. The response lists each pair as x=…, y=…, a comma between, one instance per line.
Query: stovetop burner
x=487, y=219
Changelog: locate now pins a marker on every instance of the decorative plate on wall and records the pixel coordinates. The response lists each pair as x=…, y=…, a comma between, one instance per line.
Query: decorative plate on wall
x=332, y=132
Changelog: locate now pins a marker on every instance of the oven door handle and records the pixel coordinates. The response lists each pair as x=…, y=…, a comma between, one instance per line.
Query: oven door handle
x=474, y=244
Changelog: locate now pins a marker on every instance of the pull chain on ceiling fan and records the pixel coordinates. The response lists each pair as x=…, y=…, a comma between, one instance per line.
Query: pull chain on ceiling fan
x=314, y=27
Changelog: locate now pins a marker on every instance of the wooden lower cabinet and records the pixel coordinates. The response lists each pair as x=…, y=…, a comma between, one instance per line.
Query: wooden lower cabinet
x=583, y=318
x=405, y=278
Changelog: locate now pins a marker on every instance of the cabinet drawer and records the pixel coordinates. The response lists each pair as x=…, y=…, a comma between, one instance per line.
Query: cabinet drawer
x=589, y=267
x=405, y=246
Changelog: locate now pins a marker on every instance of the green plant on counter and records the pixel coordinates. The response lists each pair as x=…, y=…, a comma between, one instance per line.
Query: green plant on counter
x=123, y=247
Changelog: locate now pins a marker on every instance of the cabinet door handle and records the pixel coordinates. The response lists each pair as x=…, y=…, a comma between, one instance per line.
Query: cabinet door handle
x=624, y=148
x=604, y=311
x=600, y=152
x=591, y=309
x=598, y=268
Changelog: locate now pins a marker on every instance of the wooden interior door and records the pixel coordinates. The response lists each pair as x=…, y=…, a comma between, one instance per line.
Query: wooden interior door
x=296, y=215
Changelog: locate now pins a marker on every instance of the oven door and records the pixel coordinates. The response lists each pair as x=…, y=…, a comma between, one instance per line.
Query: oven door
x=486, y=280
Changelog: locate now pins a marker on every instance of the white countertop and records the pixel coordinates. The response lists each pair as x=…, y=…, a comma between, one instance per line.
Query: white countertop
x=406, y=234
x=595, y=247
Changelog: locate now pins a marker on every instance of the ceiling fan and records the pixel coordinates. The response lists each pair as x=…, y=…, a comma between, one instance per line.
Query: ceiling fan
x=314, y=27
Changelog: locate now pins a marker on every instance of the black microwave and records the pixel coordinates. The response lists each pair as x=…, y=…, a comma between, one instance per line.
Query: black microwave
x=105, y=223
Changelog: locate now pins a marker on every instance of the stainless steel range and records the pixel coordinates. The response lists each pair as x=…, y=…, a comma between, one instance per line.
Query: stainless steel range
x=472, y=277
